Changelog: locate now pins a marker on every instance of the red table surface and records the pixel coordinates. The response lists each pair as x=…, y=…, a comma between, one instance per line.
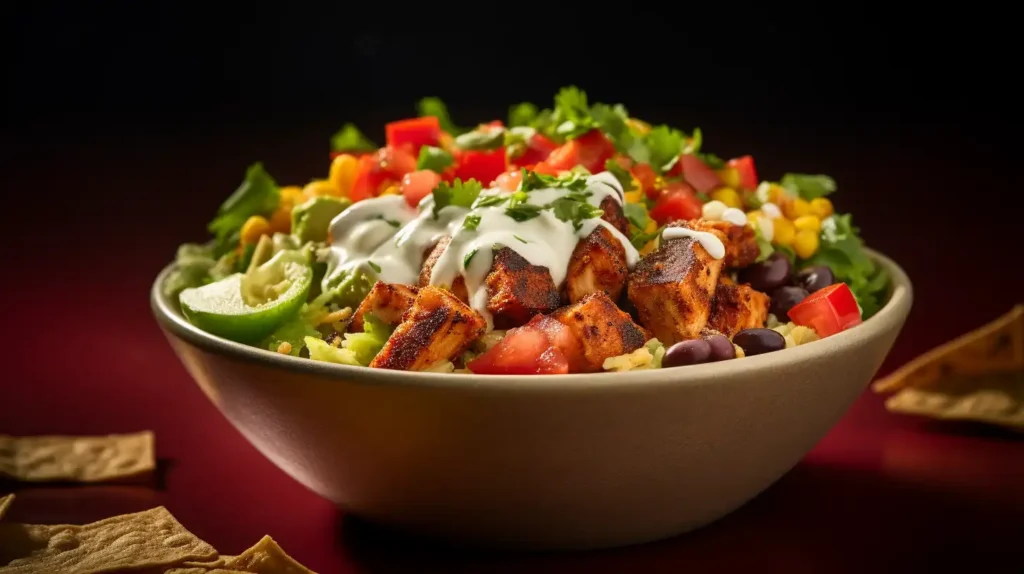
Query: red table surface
x=84, y=356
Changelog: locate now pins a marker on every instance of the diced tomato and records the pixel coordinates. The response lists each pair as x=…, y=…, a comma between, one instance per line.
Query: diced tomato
x=388, y=164
x=546, y=168
x=483, y=166
x=510, y=180
x=745, y=167
x=537, y=150
x=591, y=150
x=645, y=174
x=523, y=351
x=698, y=174
x=624, y=160
x=828, y=311
x=676, y=202
x=543, y=346
x=418, y=184
x=415, y=132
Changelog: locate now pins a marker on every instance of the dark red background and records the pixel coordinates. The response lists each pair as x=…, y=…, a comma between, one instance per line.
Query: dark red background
x=123, y=136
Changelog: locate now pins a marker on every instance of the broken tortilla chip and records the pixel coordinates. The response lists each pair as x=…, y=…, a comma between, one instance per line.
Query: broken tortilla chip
x=266, y=557
x=5, y=503
x=136, y=541
x=996, y=399
x=77, y=459
x=997, y=347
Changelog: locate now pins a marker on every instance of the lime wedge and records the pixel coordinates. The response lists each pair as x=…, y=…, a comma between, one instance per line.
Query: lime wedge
x=247, y=307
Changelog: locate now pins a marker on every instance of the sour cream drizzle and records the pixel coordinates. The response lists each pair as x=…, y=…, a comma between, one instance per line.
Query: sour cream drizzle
x=708, y=241
x=361, y=243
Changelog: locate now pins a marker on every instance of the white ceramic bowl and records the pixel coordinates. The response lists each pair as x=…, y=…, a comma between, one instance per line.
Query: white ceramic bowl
x=542, y=462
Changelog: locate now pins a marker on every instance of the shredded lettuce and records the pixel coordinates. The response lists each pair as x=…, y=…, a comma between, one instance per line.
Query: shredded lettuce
x=258, y=194
x=843, y=251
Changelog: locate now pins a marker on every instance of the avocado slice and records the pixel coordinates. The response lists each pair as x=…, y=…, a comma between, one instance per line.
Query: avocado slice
x=311, y=219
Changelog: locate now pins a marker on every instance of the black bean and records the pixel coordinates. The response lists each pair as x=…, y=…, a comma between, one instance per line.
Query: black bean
x=758, y=341
x=785, y=298
x=815, y=278
x=690, y=352
x=721, y=348
x=767, y=275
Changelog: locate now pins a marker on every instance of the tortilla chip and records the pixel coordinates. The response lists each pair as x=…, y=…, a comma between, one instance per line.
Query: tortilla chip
x=266, y=557
x=78, y=459
x=130, y=541
x=5, y=503
x=997, y=347
x=996, y=399
x=204, y=571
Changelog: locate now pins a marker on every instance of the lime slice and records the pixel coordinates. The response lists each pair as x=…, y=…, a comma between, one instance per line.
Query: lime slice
x=247, y=307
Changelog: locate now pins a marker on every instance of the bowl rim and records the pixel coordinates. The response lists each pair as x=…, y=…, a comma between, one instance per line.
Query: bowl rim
x=889, y=317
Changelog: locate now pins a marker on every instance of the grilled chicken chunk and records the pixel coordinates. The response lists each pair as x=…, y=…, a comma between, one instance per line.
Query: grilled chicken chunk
x=737, y=307
x=613, y=214
x=740, y=241
x=672, y=289
x=518, y=290
x=459, y=286
x=598, y=264
x=387, y=301
x=436, y=328
x=602, y=328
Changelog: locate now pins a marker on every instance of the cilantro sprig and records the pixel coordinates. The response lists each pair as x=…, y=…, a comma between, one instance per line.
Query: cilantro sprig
x=258, y=194
x=350, y=139
x=459, y=193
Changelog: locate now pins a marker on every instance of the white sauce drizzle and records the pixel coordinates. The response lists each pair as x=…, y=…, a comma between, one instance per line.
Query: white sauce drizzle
x=734, y=216
x=713, y=245
x=359, y=238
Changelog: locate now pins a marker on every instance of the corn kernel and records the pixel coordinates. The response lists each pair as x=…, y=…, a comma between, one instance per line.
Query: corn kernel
x=753, y=216
x=777, y=194
x=319, y=187
x=822, y=207
x=810, y=222
x=343, y=173
x=795, y=208
x=634, y=196
x=728, y=196
x=785, y=232
x=390, y=190
x=805, y=243
x=281, y=219
x=292, y=195
x=730, y=176
x=651, y=226
x=254, y=228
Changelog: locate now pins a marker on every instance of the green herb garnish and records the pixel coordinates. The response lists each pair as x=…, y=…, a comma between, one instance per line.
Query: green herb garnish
x=459, y=193
x=350, y=139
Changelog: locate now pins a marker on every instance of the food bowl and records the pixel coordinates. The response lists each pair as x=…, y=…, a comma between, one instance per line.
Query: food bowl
x=540, y=462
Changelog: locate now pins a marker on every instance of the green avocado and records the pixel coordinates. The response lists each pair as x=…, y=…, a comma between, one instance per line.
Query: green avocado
x=311, y=219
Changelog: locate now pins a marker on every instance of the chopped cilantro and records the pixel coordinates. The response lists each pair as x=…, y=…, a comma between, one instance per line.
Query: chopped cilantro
x=459, y=193
x=575, y=210
x=434, y=158
x=481, y=140
x=636, y=214
x=808, y=186
x=664, y=145
x=523, y=114
x=520, y=239
x=435, y=107
x=471, y=222
x=374, y=266
x=469, y=257
x=532, y=180
x=258, y=194
x=622, y=174
x=711, y=160
x=489, y=201
x=695, y=142
x=350, y=139
x=523, y=211
x=572, y=114
x=640, y=239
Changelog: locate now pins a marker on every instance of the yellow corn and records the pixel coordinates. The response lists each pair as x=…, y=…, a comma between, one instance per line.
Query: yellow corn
x=634, y=196
x=343, y=173
x=821, y=207
x=795, y=208
x=784, y=232
x=635, y=185
x=809, y=222
x=730, y=176
x=777, y=194
x=254, y=228
x=639, y=126
x=390, y=190
x=281, y=219
x=652, y=244
x=753, y=216
x=728, y=196
x=319, y=187
x=805, y=243
x=292, y=195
